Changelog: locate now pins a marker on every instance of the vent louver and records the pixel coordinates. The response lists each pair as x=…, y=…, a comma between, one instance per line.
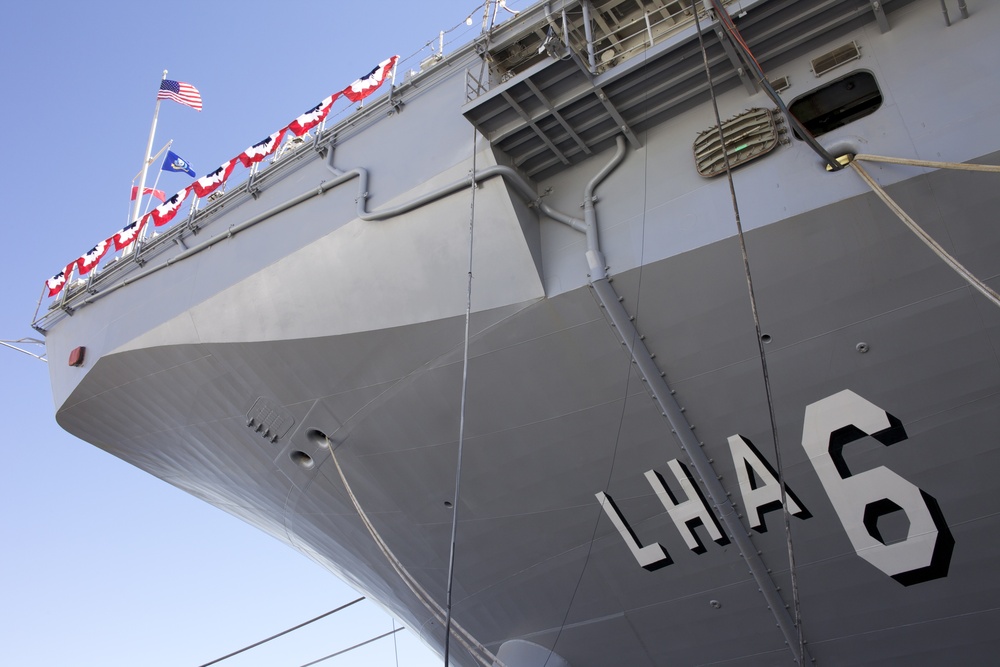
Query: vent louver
x=749, y=135
x=271, y=423
x=780, y=84
x=834, y=59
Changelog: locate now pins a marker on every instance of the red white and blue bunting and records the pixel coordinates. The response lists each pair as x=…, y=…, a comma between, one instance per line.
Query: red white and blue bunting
x=90, y=258
x=261, y=149
x=370, y=82
x=125, y=236
x=165, y=212
x=313, y=117
x=208, y=184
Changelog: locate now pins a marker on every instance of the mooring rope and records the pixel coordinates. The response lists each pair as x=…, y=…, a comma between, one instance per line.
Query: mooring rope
x=461, y=634
x=910, y=162
x=880, y=192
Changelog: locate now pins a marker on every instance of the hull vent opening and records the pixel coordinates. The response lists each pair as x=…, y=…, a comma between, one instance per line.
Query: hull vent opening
x=748, y=136
x=835, y=58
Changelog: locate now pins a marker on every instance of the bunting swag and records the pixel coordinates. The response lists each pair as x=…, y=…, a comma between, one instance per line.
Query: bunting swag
x=313, y=117
x=58, y=281
x=166, y=211
x=206, y=185
x=261, y=149
x=370, y=82
x=92, y=257
x=128, y=234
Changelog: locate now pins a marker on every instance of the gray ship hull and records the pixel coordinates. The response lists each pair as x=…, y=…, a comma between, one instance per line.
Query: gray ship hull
x=305, y=375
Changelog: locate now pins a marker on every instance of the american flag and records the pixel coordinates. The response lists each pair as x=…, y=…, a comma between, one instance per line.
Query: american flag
x=178, y=91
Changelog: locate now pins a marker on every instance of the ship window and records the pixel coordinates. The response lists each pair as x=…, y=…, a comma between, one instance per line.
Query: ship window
x=838, y=103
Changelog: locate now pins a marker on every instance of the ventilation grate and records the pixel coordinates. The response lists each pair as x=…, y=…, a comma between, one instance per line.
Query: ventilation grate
x=749, y=135
x=780, y=84
x=834, y=59
x=268, y=422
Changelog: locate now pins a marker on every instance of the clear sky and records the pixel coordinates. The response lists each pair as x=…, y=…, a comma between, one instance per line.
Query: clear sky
x=102, y=564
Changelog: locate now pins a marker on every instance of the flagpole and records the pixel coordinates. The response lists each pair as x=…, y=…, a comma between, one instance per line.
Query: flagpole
x=145, y=160
x=156, y=182
x=152, y=158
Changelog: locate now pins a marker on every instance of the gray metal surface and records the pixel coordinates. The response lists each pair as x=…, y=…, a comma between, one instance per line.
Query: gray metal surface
x=328, y=323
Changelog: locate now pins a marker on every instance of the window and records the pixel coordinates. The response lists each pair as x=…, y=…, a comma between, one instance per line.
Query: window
x=838, y=103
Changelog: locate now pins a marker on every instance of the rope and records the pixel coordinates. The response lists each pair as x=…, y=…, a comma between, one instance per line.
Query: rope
x=975, y=282
x=284, y=632
x=461, y=418
x=462, y=635
x=961, y=166
x=740, y=45
x=797, y=613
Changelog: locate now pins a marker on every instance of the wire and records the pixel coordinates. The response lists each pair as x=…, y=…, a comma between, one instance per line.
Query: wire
x=470, y=643
x=799, y=655
x=461, y=418
x=351, y=648
x=621, y=417
x=285, y=632
x=741, y=45
x=395, y=646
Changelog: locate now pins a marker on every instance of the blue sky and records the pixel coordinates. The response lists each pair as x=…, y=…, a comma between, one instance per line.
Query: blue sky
x=101, y=563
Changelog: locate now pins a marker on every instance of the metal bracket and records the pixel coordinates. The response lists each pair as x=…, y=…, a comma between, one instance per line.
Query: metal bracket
x=883, y=22
x=738, y=64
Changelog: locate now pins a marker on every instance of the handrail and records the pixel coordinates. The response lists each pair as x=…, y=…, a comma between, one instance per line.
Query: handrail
x=519, y=183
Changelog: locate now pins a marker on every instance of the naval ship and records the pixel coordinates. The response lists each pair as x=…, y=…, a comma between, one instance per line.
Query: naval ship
x=633, y=332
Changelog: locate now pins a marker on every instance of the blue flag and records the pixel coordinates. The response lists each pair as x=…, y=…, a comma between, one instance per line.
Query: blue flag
x=174, y=162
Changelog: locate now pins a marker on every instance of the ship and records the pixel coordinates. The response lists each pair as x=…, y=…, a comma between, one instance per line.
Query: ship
x=633, y=332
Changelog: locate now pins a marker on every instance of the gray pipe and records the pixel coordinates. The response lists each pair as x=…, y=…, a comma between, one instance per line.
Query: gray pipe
x=595, y=258
x=672, y=411
x=518, y=182
x=590, y=36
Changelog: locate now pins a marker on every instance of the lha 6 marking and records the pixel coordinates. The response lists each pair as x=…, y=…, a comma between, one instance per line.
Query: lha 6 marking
x=859, y=499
